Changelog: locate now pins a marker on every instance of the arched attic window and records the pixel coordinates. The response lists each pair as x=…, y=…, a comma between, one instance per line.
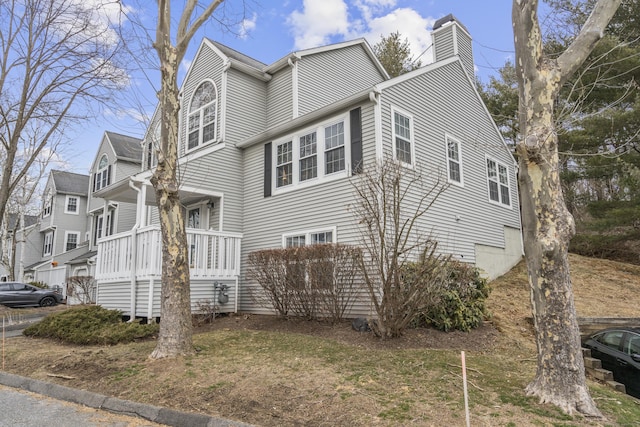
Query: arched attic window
x=202, y=116
x=102, y=177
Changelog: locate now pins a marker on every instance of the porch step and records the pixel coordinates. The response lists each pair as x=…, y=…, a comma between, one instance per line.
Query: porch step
x=617, y=386
x=592, y=363
x=602, y=374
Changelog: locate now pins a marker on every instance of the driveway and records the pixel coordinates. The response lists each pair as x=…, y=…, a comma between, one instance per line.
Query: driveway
x=25, y=409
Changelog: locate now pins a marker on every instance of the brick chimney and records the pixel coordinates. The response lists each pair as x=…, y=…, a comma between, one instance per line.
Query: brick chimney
x=451, y=38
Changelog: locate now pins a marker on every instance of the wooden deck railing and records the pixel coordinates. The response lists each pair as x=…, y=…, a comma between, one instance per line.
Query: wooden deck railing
x=212, y=254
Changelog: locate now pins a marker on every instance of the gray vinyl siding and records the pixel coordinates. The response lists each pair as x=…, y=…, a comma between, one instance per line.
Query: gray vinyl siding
x=246, y=106
x=465, y=51
x=47, y=221
x=319, y=206
x=206, y=66
x=66, y=222
x=443, y=43
x=122, y=170
x=105, y=148
x=280, y=97
x=220, y=171
x=125, y=217
x=462, y=216
x=33, y=248
x=117, y=296
x=318, y=74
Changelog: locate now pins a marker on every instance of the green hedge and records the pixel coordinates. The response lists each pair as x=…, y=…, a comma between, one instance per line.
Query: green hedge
x=90, y=325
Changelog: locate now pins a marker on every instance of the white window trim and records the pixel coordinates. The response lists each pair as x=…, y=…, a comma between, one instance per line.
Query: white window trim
x=48, y=203
x=307, y=235
x=215, y=103
x=66, y=239
x=204, y=214
x=486, y=174
x=320, y=152
x=411, y=139
x=47, y=235
x=66, y=205
x=447, y=138
x=97, y=181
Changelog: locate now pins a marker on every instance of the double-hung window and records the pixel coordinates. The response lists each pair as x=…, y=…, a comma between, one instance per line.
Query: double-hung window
x=454, y=160
x=308, y=157
x=403, y=149
x=102, y=178
x=71, y=240
x=498, y=180
x=48, y=202
x=334, y=154
x=71, y=205
x=202, y=116
x=311, y=155
x=313, y=237
x=284, y=164
x=47, y=248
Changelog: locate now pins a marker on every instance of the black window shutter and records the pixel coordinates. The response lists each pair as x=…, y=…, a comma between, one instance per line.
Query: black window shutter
x=356, y=140
x=267, y=169
x=109, y=175
x=94, y=181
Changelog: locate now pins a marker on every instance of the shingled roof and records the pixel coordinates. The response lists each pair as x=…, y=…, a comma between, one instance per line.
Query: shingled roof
x=70, y=183
x=238, y=56
x=127, y=148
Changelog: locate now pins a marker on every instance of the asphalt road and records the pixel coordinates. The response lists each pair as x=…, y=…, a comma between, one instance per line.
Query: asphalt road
x=25, y=409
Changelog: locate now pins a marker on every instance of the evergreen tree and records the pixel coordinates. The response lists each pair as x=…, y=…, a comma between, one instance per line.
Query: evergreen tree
x=395, y=55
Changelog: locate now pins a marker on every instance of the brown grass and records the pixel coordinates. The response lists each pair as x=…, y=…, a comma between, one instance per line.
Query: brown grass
x=272, y=372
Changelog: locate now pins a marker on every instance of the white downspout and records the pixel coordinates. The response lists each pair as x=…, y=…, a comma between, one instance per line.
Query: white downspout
x=134, y=253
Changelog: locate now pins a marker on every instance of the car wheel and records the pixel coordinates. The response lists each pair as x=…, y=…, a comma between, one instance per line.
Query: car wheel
x=47, y=302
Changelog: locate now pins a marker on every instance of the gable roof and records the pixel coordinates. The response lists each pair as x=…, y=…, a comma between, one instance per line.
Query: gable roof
x=126, y=148
x=70, y=183
x=238, y=56
x=29, y=220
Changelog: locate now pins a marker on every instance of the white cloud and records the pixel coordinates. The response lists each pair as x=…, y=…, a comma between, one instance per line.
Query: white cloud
x=247, y=25
x=185, y=65
x=411, y=25
x=318, y=20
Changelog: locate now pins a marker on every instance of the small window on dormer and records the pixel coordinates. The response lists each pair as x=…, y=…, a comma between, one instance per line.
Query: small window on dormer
x=48, y=202
x=152, y=147
x=71, y=205
x=102, y=177
x=201, y=124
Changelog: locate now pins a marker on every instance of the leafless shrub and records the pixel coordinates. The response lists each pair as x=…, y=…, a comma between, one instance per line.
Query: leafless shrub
x=206, y=312
x=312, y=281
x=82, y=288
x=390, y=207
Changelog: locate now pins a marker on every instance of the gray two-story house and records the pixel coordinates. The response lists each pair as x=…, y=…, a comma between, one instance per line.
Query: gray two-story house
x=269, y=152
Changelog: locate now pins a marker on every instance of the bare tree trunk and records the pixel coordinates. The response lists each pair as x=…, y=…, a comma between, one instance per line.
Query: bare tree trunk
x=547, y=224
x=176, y=330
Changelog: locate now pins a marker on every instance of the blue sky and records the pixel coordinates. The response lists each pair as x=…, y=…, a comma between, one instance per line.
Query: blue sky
x=272, y=29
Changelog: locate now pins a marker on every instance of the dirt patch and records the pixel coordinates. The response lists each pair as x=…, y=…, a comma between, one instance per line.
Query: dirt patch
x=275, y=372
x=481, y=338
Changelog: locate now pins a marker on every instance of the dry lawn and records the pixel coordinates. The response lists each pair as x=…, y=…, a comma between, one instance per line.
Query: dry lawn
x=267, y=371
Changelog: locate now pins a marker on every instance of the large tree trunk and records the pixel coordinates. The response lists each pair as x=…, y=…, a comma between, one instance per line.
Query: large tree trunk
x=547, y=224
x=176, y=329
x=548, y=227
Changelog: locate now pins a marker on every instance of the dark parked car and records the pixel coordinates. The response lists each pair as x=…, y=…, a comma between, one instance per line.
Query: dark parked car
x=16, y=294
x=619, y=351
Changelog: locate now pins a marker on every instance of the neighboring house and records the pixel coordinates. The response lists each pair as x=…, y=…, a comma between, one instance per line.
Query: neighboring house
x=10, y=237
x=267, y=158
x=59, y=234
x=118, y=158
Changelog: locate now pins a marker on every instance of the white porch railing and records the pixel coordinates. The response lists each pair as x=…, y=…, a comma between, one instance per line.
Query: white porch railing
x=212, y=254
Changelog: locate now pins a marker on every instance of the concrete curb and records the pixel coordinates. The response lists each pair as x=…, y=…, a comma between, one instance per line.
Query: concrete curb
x=156, y=414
